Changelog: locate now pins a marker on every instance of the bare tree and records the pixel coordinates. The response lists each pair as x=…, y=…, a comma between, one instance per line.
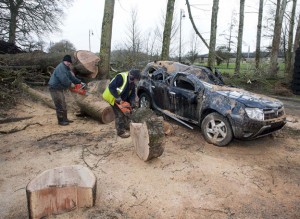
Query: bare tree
x=288, y=63
x=280, y=10
x=296, y=42
x=240, y=39
x=133, y=41
x=167, y=30
x=62, y=46
x=193, y=52
x=227, y=48
x=20, y=19
x=105, y=48
x=258, y=34
x=213, y=34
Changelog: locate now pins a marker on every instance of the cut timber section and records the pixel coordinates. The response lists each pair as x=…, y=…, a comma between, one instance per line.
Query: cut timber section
x=59, y=190
x=147, y=134
x=86, y=63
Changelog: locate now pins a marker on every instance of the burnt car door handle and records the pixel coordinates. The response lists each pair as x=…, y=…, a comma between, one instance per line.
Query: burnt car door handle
x=172, y=93
x=152, y=86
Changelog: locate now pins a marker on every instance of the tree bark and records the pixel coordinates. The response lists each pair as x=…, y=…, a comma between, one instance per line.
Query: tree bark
x=288, y=65
x=167, y=30
x=106, y=35
x=258, y=34
x=213, y=34
x=240, y=39
x=86, y=63
x=147, y=134
x=60, y=190
x=96, y=107
x=273, y=69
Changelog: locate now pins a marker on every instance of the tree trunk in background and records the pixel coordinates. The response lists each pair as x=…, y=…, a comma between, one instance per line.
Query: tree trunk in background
x=288, y=64
x=240, y=39
x=213, y=33
x=258, y=35
x=106, y=34
x=167, y=30
x=273, y=69
x=296, y=43
x=193, y=24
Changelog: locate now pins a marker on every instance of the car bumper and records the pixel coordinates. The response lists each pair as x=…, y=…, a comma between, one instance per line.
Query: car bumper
x=249, y=129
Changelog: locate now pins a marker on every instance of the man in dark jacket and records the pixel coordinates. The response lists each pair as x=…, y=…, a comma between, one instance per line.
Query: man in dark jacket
x=122, y=88
x=62, y=79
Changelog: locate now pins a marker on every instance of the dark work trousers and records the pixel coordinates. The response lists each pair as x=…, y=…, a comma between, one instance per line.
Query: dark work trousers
x=121, y=121
x=58, y=98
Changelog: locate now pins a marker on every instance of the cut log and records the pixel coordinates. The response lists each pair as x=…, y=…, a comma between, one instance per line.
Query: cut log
x=86, y=63
x=96, y=107
x=59, y=190
x=147, y=134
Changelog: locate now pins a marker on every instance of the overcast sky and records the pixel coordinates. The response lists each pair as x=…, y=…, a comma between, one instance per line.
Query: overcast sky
x=85, y=16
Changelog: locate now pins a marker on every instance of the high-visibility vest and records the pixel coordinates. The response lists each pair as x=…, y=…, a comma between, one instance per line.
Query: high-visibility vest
x=107, y=94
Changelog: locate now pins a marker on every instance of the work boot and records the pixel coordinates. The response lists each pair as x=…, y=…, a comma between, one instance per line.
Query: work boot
x=60, y=118
x=66, y=117
x=125, y=134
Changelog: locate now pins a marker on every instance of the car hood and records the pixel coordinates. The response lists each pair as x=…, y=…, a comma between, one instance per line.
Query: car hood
x=250, y=99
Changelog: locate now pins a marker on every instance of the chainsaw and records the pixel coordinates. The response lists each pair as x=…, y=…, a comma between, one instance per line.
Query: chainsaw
x=80, y=89
x=125, y=107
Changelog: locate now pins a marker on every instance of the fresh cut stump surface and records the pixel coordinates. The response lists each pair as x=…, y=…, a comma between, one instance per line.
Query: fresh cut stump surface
x=61, y=189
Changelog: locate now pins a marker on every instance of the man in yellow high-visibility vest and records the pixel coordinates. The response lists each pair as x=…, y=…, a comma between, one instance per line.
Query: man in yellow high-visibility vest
x=122, y=88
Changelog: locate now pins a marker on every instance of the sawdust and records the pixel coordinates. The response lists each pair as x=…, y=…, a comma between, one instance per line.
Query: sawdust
x=192, y=179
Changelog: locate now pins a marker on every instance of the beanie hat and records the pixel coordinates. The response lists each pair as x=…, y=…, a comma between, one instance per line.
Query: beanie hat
x=135, y=73
x=67, y=58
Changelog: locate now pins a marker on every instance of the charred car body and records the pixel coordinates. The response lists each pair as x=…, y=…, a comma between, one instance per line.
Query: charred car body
x=194, y=94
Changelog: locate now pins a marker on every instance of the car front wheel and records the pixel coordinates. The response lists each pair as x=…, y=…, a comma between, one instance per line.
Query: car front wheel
x=216, y=129
x=145, y=100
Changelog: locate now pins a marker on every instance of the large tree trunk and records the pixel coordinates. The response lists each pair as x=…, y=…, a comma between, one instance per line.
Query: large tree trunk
x=288, y=65
x=60, y=190
x=273, y=69
x=106, y=34
x=240, y=39
x=96, y=107
x=45, y=99
x=147, y=134
x=258, y=35
x=92, y=105
x=167, y=30
x=213, y=34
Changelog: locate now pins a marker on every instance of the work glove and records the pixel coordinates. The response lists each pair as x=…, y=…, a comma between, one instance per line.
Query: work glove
x=72, y=85
x=118, y=100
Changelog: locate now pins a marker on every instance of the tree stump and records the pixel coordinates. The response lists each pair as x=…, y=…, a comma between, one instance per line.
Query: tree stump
x=86, y=63
x=59, y=190
x=147, y=134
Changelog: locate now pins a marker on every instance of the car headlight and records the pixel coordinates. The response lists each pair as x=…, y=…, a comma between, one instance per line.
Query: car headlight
x=255, y=113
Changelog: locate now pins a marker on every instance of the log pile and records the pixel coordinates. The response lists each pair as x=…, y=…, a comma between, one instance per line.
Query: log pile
x=147, y=134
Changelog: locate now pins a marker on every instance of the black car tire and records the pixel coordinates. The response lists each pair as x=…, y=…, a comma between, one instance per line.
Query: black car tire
x=145, y=100
x=216, y=129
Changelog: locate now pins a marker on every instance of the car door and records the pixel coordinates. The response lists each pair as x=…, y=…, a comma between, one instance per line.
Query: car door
x=159, y=90
x=183, y=97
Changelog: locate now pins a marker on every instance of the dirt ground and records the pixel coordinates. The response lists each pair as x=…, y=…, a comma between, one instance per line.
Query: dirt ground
x=192, y=179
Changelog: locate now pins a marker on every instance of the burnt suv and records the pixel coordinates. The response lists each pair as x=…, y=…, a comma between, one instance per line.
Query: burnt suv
x=196, y=95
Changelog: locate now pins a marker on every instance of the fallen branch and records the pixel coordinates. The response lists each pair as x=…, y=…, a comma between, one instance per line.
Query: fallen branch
x=8, y=120
x=21, y=129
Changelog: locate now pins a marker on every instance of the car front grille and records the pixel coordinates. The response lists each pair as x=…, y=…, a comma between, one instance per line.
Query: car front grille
x=273, y=113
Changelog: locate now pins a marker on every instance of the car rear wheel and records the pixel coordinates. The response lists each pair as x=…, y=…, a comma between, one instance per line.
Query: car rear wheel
x=216, y=129
x=145, y=100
